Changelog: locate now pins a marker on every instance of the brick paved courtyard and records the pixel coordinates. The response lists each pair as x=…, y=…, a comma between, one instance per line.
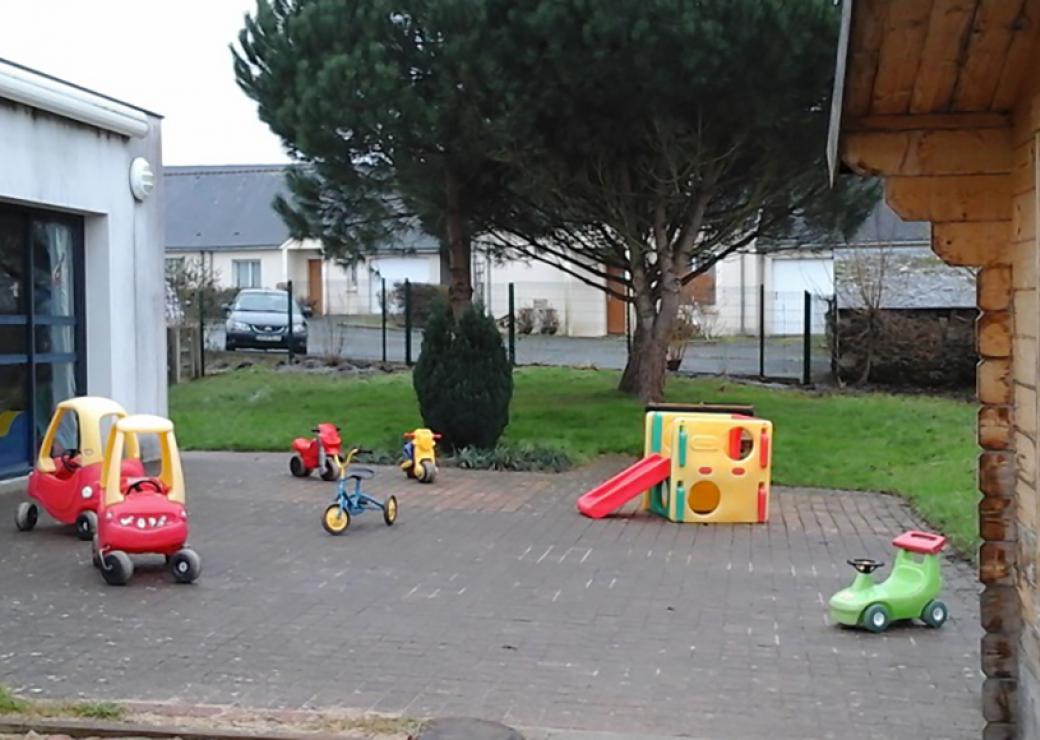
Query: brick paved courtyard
x=493, y=597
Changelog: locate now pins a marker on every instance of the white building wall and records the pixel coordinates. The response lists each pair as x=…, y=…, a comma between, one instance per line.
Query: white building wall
x=222, y=265
x=50, y=162
x=582, y=309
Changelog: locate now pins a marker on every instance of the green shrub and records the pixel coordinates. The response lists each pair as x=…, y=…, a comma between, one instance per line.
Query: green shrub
x=463, y=379
x=522, y=458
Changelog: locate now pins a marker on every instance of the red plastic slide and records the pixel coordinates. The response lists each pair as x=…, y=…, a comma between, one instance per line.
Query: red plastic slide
x=625, y=486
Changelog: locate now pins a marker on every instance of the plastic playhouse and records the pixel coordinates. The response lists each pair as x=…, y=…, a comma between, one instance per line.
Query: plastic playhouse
x=703, y=464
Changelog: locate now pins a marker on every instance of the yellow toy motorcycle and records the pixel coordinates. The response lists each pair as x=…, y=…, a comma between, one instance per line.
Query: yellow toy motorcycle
x=420, y=462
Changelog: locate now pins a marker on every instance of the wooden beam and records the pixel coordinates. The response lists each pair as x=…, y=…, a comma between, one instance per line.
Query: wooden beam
x=944, y=46
x=905, y=29
x=1020, y=56
x=993, y=284
x=993, y=386
x=988, y=47
x=996, y=429
x=993, y=334
x=945, y=152
x=928, y=122
x=973, y=244
x=956, y=198
x=868, y=25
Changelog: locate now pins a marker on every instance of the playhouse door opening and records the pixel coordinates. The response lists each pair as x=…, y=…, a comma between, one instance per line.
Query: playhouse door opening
x=704, y=497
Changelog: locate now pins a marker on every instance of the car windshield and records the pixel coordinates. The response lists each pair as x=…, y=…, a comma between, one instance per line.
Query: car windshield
x=267, y=302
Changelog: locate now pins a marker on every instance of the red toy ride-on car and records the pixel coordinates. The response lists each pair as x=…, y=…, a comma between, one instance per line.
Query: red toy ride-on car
x=317, y=453
x=145, y=514
x=66, y=479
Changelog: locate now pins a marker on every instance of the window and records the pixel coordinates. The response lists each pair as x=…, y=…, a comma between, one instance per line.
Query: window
x=352, y=277
x=246, y=273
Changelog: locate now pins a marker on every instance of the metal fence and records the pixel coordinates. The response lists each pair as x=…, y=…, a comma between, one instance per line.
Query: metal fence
x=750, y=333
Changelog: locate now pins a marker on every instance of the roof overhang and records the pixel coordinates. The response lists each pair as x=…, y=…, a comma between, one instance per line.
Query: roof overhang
x=35, y=90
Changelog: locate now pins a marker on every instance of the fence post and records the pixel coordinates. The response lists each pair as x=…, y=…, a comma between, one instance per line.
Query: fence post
x=407, y=322
x=807, y=341
x=289, y=331
x=382, y=300
x=762, y=330
x=512, y=324
x=201, y=301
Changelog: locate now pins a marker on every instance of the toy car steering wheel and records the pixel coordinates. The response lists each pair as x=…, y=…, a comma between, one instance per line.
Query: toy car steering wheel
x=865, y=565
x=139, y=485
x=68, y=461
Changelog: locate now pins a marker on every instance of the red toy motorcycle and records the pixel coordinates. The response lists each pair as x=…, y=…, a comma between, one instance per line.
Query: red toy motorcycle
x=317, y=453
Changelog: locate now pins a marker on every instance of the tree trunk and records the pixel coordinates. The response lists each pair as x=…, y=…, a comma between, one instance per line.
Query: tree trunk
x=460, y=293
x=646, y=368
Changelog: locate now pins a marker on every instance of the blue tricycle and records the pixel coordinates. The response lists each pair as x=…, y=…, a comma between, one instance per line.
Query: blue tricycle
x=349, y=502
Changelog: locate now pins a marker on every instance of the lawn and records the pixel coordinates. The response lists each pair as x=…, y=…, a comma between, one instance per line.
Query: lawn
x=920, y=447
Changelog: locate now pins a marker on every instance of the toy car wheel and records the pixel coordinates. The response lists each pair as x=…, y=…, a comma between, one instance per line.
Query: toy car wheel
x=185, y=565
x=328, y=471
x=335, y=520
x=390, y=511
x=427, y=472
x=876, y=618
x=935, y=614
x=117, y=568
x=297, y=468
x=25, y=516
x=86, y=525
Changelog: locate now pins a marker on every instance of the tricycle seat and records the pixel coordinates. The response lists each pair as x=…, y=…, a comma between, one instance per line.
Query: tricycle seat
x=360, y=473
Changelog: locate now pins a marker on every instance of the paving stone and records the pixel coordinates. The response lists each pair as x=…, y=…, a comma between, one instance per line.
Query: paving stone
x=491, y=597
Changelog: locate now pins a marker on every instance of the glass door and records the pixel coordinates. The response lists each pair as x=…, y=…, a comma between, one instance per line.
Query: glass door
x=41, y=326
x=16, y=442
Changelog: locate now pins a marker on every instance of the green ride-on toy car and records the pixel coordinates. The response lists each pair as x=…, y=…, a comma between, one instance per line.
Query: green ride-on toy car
x=910, y=592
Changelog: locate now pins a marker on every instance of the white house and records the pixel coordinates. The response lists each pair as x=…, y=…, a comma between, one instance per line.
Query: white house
x=81, y=270
x=222, y=218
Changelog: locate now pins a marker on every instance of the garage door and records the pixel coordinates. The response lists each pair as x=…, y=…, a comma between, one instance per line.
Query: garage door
x=791, y=278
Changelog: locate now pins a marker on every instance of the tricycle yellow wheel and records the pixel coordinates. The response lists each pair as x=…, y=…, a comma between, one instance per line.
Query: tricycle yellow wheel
x=390, y=511
x=335, y=520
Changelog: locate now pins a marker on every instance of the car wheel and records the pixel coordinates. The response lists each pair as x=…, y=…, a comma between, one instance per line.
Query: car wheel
x=876, y=618
x=117, y=568
x=335, y=520
x=86, y=525
x=185, y=565
x=390, y=511
x=229, y=346
x=297, y=468
x=935, y=614
x=25, y=516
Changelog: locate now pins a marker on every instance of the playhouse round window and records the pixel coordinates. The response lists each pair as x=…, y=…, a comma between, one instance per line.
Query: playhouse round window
x=741, y=443
x=704, y=497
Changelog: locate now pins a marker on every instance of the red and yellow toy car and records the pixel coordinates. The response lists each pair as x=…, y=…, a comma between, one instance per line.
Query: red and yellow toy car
x=144, y=514
x=65, y=480
x=317, y=453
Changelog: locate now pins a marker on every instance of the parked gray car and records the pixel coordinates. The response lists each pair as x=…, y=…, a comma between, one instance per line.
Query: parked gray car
x=259, y=319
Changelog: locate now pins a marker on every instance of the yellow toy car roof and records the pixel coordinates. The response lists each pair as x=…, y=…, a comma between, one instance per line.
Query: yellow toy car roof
x=144, y=424
x=95, y=406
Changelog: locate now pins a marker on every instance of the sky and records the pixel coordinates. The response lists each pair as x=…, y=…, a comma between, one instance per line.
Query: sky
x=167, y=56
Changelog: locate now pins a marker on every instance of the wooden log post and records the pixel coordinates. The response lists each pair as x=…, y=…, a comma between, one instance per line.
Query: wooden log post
x=972, y=227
